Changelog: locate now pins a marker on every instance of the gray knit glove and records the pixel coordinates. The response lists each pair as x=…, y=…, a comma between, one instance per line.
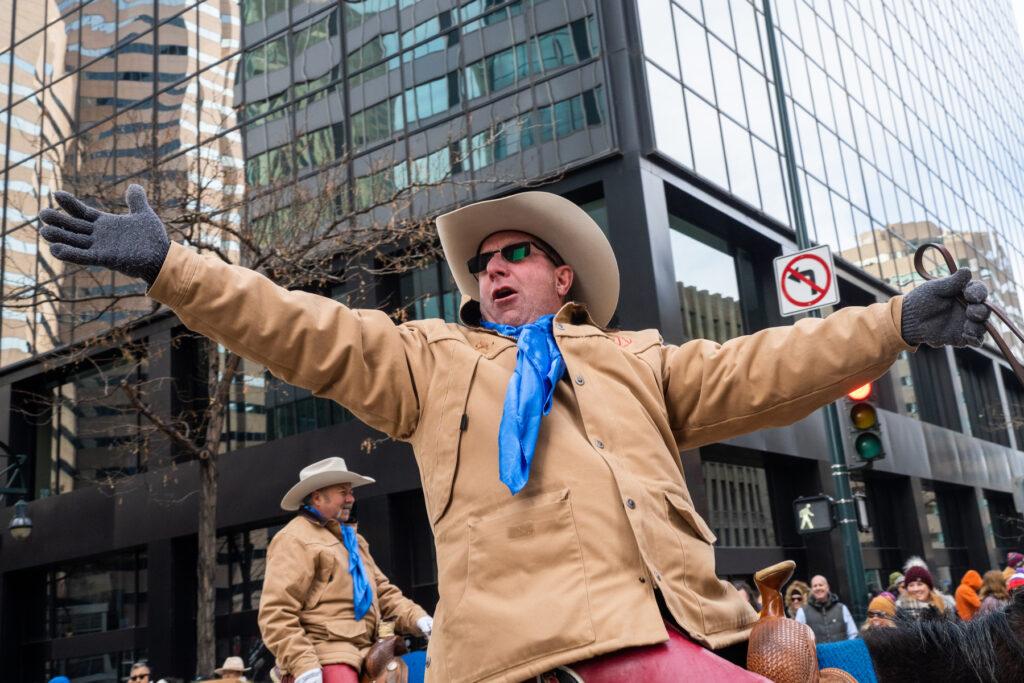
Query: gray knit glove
x=134, y=243
x=932, y=315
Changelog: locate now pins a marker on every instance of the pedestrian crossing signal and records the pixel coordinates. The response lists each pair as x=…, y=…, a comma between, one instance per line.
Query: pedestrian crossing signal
x=865, y=425
x=814, y=514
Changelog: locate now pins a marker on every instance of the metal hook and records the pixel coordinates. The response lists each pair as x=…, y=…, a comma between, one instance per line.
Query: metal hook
x=1018, y=369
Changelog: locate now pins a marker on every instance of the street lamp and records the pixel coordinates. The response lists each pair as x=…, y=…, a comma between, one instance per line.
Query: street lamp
x=21, y=523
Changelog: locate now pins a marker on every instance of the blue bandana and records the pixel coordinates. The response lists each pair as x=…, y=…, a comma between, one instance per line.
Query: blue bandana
x=362, y=594
x=530, y=393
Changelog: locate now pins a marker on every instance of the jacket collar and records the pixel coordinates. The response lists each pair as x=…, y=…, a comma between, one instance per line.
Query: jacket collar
x=572, y=320
x=829, y=601
x=331, y=525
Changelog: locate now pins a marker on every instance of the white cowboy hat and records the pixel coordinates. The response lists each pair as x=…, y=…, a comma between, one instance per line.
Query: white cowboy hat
x=326, y=472
x=232, y=664
x=554, y=219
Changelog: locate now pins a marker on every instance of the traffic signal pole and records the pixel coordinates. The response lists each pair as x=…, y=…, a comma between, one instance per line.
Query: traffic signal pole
x=845, y=507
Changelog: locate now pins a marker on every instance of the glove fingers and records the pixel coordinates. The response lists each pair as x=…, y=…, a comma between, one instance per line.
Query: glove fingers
x=974, y=333
x=135, y=196
x=74, y=255
x=58, y=236
x=978, y=312
x=952, y=285
x=975, y=292
x=65, y=221
x=75, y=207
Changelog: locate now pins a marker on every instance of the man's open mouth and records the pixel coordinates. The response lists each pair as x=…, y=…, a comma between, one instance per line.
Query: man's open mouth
x=502, y=293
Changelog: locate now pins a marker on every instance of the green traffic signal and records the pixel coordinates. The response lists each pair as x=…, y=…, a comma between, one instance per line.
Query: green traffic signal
x=868, y=446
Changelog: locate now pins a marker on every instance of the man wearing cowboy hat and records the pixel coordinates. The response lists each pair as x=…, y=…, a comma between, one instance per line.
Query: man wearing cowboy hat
x=233, y=668
x=548, y=446
x=323, y=595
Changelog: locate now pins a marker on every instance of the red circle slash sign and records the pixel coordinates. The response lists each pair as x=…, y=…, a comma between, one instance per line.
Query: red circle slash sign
x=819, y=291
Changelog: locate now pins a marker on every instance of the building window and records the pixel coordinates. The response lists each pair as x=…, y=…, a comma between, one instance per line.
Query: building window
x=429, y=292
x=1005, y=526
x=292, y=410
x=981, y=396
x=566, y=45
x=739, y=510
x=1015, y=401
x=933, y=516
x=89, y=433
x=258, y=10
x=268, y=57
x=241, y=566
x=91, y=596
x=707, y=283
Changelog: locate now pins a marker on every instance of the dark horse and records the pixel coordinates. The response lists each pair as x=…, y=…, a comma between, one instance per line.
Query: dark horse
x=986, y=648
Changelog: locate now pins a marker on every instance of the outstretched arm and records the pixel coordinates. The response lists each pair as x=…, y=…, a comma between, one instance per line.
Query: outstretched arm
x=780, y=375
x=359, y=358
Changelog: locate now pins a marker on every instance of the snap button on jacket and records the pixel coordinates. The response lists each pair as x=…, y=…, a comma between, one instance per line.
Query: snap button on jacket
x=549, y=576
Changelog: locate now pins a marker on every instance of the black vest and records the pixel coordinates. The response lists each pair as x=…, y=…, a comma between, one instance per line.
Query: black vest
x=826, y=620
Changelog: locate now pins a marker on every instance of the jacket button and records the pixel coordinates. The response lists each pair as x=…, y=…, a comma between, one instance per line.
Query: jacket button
x=580, y=380
x=631, y=504
x=657, y=576
x=643, y=580
x=427, y=663
x=599, y=443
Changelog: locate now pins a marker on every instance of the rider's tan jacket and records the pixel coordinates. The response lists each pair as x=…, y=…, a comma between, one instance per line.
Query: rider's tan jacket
x=307, y=615
x=568, y=568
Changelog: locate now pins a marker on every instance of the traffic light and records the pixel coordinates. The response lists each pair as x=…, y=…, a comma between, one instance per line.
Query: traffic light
x=865, y=426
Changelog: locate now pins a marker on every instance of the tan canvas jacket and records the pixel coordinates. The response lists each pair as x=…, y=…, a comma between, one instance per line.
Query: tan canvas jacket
x=307, y=617
x=566, y=569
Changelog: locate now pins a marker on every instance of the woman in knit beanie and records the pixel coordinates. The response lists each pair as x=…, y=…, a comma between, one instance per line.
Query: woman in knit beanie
x=921, y=601
x=881, y=612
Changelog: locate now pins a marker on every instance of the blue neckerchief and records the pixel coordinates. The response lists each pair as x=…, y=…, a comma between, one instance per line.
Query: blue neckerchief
x=530, y=393
x=362, y=594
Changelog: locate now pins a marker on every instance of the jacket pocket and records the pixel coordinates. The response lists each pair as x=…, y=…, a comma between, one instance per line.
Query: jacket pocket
x=438, y=472
x=719, y=605
x=348, y=630
x=326, y=573
x=526, y=585
x=690, y=516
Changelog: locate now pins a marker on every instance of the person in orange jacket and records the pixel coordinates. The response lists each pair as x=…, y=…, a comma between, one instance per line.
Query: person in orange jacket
x=967, y=600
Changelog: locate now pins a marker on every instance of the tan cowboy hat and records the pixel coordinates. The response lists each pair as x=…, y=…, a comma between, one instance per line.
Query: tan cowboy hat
x=326, y=472
x=553, y=219
x=232, y=664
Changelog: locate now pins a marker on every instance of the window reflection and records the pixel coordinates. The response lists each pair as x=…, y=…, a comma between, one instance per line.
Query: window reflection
x=96, y=596
x=429, y=292
x=933, y=517
x=241, y=565
x=88, y=432
x=708, y=287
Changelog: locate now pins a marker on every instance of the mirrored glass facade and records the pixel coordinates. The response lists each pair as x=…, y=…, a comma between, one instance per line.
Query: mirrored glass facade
x=220, y=106
x=906, y=122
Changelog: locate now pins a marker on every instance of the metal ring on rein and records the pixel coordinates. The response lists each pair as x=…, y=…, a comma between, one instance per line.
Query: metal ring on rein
x=1018, y=369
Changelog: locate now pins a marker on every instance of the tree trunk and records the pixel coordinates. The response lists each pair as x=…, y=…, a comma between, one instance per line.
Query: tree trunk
x=207, y=566
x=220, y=386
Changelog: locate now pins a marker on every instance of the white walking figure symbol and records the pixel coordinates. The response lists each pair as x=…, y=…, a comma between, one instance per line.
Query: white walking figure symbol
x=806, y=517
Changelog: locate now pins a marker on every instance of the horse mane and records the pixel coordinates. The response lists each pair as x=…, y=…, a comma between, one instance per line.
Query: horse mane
x=989, y=647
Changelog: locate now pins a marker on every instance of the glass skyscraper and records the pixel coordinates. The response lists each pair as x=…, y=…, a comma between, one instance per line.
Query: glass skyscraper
x=658, y=117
